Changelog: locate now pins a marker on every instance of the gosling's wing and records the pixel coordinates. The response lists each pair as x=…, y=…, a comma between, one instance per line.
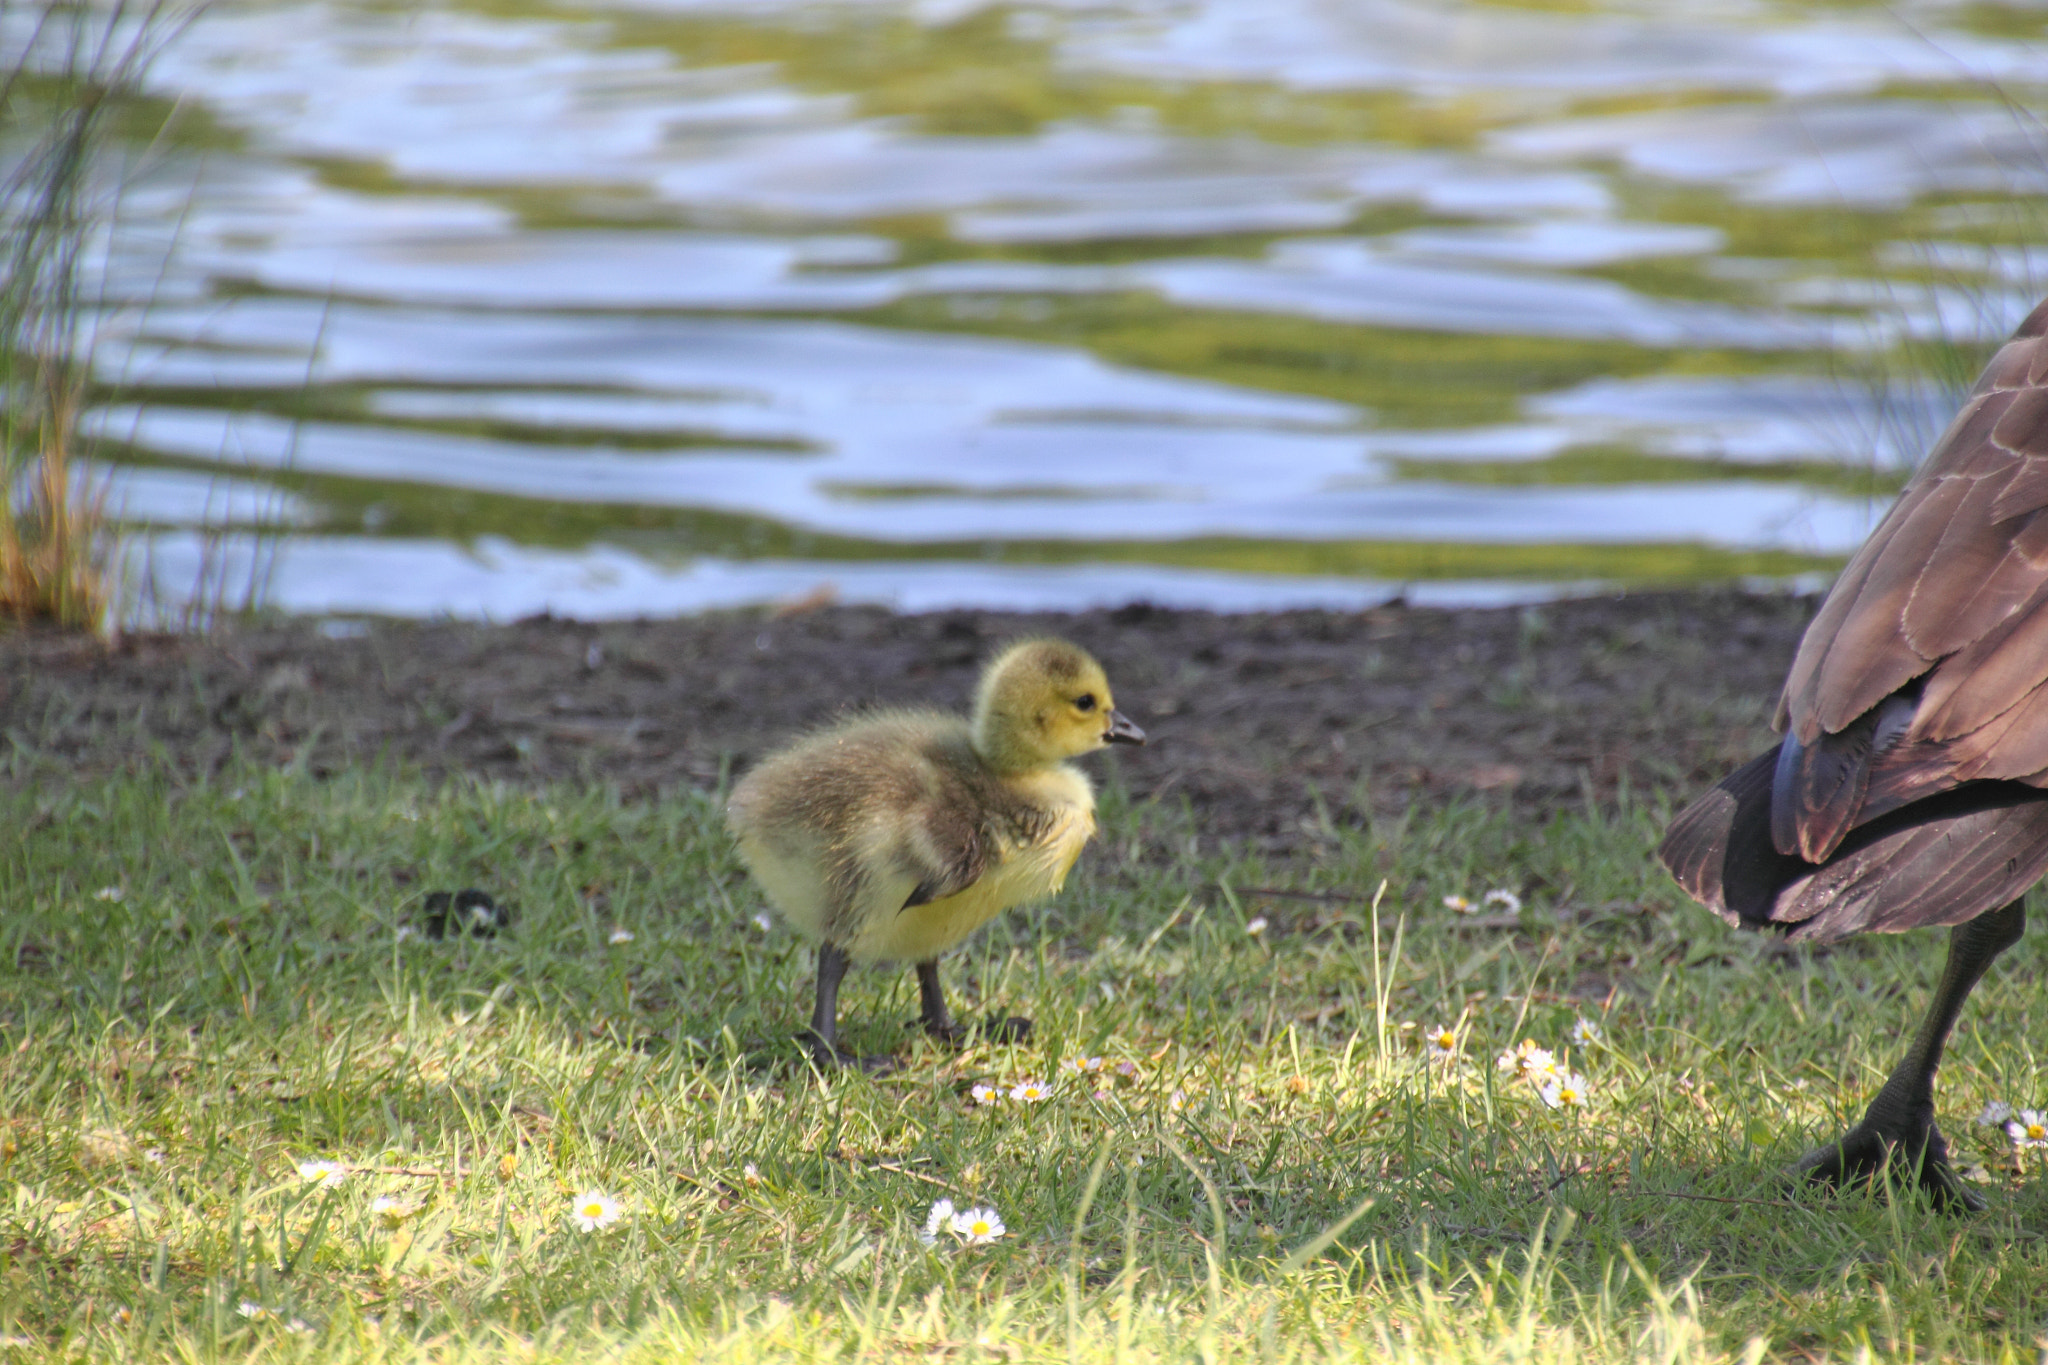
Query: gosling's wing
x=947, y=852
x=950, y=837
x=1948, y=600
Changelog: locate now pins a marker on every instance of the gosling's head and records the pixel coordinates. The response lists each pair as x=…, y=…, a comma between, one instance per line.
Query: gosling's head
x=1041, y=701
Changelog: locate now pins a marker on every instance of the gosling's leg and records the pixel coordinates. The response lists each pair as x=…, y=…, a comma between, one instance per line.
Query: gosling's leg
x=938, y=1020
x=821, y=1039
x=1898, y=1129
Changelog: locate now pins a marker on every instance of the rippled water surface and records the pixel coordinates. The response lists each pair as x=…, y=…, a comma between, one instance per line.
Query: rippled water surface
x=621, y=307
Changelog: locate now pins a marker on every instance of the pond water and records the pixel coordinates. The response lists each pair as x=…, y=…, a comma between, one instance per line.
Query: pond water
x=645, y=306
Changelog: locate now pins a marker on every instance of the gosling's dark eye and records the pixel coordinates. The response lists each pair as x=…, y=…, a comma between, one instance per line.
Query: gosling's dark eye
x=1085, y=702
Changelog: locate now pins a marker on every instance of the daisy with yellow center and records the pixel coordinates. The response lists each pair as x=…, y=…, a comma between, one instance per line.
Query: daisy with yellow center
x=325, y=1174
x=1564, y=1090
x=1441, y=1043
x=1529, y=1061
x=940, y=1219
x=978, y=1227
x=2030, y=1129
x=594, y=1211
x=1030, y=1092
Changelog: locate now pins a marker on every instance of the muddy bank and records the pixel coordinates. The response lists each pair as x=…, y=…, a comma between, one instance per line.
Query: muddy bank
x=1254, y=719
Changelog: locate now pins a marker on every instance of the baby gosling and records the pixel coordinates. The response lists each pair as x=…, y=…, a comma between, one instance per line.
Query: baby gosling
x=894, y=836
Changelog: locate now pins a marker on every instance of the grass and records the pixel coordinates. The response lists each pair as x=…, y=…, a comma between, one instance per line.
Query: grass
x=204, y=982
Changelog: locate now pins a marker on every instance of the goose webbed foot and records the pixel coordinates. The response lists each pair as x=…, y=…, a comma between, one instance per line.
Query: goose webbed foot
x=1902, y=1153
x=997, y=1028
x=1897, y=1142
x=827, y=1055
x=939, y=1023
x=1006, y=1028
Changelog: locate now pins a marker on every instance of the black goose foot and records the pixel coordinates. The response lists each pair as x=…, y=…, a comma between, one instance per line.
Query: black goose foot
x=996, y=1028
x=1866, y=1154
x=829, y=1056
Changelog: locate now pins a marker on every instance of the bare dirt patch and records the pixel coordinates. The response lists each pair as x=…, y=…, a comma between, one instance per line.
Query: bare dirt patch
x=1264, y=725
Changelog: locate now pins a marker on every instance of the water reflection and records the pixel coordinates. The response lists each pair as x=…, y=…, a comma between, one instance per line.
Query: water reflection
x=623, y=307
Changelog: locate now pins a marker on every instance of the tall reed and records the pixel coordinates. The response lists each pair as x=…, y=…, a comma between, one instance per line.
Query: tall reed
x=64, y=76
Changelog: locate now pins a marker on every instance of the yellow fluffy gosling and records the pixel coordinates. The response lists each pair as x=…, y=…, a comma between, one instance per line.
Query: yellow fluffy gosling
x=892, y=837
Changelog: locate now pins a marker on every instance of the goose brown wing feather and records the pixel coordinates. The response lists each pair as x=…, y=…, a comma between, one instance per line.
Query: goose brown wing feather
x=1860, y=647
x=1945, y=860
x=1975, y=579
x=1945, y=607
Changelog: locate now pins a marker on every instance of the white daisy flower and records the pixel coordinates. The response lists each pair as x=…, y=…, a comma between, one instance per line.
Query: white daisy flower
x=323, y=1173
x=1256, y=926
x=1176, y=1102
x=984, y=1093
x=2030, y=1129
x=1564, y=1090
x=110, y=893
x=751, y=1174
x=299, y=1327
x=1441, y=1043
x=978, y=1227
x=1081, y=1066
x=1528, y=1060
x=249, y=1308
x=1584, y=1032
x=594, y=1211
x=1994, y=1114
x=1504, y=898
x=393, y=1211
x=940, y=1219
x=763, y=923
x=1459, y=904
x=620, y=936
x=1029, y=1091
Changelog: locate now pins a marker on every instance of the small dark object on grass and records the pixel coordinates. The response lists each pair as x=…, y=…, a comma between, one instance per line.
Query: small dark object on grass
x=467, y=911
x=1909, y=788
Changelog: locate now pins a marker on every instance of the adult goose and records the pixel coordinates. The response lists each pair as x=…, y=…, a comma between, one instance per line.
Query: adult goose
x=1911, y=788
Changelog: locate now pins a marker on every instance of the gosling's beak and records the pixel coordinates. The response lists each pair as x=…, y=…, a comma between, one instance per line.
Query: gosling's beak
x=1121, y=731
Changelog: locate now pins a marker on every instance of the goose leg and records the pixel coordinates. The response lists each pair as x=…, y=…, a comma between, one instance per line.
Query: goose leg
x=1898, y=1128
x=938, y=1021
x=821, y=1039
x=932, y=1011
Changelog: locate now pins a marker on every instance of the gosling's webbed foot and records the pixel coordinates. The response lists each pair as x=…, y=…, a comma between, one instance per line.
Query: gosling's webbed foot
x=997, y=1028
x=1870, y=1155
x=938, y=1021
x=827, y=1055
x=1006, y=1028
